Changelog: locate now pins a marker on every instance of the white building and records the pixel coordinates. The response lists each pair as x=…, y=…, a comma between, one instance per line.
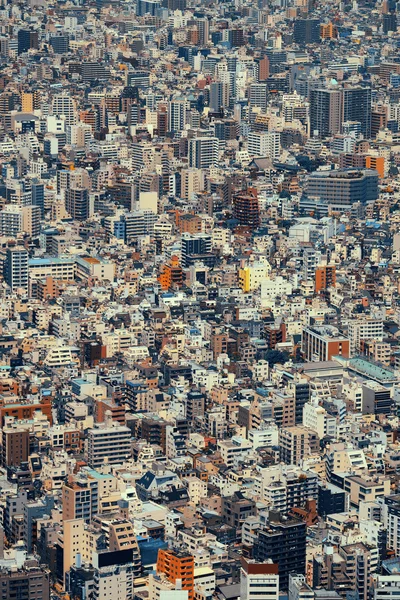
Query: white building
x=108, y=442
x=259, y=580
x=364, y=329
x=265, y=144
x=387, y=587
x=318, y=419
x=234, y=450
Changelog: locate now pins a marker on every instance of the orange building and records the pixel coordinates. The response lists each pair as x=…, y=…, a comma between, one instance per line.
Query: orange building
x=325, y=277
x=328, y=31
x=177, y=565
x=24, y=410
x=189, y=223
x=377, y=163
x=171, y=274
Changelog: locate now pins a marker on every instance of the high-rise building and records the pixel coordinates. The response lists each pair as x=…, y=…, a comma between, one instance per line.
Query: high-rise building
x=203, y=152
x=16, y=268
x=263, y=68
x=325, y=112
x=15, y=445
x=391, y=520
x=325, y=277
x=219, y=95
x=60, y=43
x=108, y=442
x=356, y=103
x=246, y=208
x=77, y=203
x=63, y=105
x=264, y=144
x=259, y=580
x=203, y=28
x=30, y=101
x=177, y=115
x=376, y=399
x=297, y=442
x=258, y=95
x=37, y=191
x=177, y=566
x=196, y=247
x=147, y=7
x=306, y=31
x=283, y=540
x=27, y=39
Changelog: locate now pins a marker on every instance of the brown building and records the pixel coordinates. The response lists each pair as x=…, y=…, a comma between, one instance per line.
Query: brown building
x=379, y=120
x=30, y=582
x=236, y=509
x=328, y=31
x=275, y=335
x=246, y=208
x=15, y=446
x=263, y=68
x=117, y=411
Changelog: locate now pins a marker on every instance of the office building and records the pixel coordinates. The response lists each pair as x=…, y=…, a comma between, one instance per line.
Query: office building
x=322, y=342
x=64, y=106
x=219, y=96
x=258, y=96
x=195, y=247
x=27, y=40
x=147, y=7
x=306, y=31
x=37, y=191
x=16, y=268
x=59, y=43
x=376, y=399
x=325, y=112
x=357, y=107
x=339, y=190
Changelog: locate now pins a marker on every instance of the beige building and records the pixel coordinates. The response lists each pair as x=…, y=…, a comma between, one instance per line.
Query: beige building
x=191, y=182
x=296, y=443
